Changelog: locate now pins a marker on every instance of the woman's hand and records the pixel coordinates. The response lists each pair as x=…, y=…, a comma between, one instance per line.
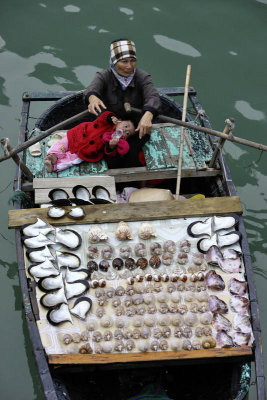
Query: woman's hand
x=113, y=143
x=94, y=105
x=145, y=124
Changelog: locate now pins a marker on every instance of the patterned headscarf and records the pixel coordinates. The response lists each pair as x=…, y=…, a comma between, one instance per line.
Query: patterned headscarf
x=120, y=49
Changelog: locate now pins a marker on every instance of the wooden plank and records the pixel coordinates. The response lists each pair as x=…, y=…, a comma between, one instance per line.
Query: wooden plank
x=134, y=211
x=233, y=352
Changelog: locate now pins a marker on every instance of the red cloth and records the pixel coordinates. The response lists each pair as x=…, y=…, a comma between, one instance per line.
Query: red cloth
x=86, y=140
x=122, y=146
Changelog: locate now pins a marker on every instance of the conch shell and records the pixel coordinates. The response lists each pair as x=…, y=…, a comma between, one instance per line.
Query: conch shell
x=96, y=234
x=146, y=231
x=123, y=231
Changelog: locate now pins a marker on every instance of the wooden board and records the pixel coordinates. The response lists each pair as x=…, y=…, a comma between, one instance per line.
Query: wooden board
x=43, y=186
x=233, y=352
x=134, y=211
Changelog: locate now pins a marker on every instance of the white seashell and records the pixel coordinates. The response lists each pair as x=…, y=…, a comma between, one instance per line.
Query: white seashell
x=68, y=238
x=76, y=288
x=56, y=212
x=76, y=213
x=146, y=231
x=123, y=231
x=54, y=298
x=224, y=222
x=39, y=226
x=111, y=275
x=190, y=319
x=58, y=315
x=149, y=320
x=106, y=321
x=203, y=245
x=176, y=344
x=107, y=347
x=125, y=273
x=175, y=297
x=43, y=270
x=73, y=276
x=36, y=242
x=96, y=234
x=228, y=239
x=143, y=346
x=92, y=325
x=40, y=255
x=164, y=320
x=81, y=307
x=51, y=283
x=200, y=228
x=65, y=259
x=206, y=318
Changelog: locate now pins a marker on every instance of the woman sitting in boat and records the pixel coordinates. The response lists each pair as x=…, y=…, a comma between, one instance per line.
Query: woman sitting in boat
x=89, y=141
x=124, y=83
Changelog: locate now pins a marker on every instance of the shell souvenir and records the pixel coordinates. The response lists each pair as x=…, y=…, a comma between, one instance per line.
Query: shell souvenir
x=146, y=231
x=96, y=234
x=123, y=231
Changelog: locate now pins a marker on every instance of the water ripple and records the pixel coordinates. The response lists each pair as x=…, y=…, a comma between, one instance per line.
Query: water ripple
x=85, y=73
x=176, y=46
x=2, y=43
x=126, y=11
x=248, y=112
x=71, y=8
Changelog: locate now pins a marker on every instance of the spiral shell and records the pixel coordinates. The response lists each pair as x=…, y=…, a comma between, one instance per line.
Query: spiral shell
x=96, y=234
x=106, y=322
x=149, y=320
x=146, y=231
x=97, y=336
x=129, y=345
x=155, y=248
x=143, y=346
x=125, y=251
x=86, y=349
x=92, y=252
x=119, y=346
x=110, y=291
x=100, y=311
x=140, y=250
x=123, y=231
x=107, y=347
x=136, y=333
x=107, y=252
x=118, y=334
x=185, y=246
x=107, y=336
x=167, y=258
x=92, y=325
x=169, y=246
x=67, y=338
x=164, y=320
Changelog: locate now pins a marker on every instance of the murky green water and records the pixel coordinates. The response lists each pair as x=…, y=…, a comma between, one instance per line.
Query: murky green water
x=58, y=45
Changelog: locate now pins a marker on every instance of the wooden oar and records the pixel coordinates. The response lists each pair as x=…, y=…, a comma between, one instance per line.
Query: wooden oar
x=180, y=158
x=43, y=135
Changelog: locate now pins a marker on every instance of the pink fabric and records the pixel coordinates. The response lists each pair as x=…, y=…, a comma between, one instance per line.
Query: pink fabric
x=65, y=159
x=122, y=146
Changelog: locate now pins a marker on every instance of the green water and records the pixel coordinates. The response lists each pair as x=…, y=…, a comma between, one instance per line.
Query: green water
x=58, y=45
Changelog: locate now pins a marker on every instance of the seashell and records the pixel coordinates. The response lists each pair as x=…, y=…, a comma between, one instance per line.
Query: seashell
x=214, y=281
x=73, y=276
x=201, y=287
x=175, y=297
x=117, y=264
x=84, y=335
x=56, y=212
x=200, y=228
x=197, y=258
x=100, y=311
x=175, y=344
x=136, y=333
x=119, y=346
x=208, y=342
x=206, y=318
x=182, y=258
x=36, y=242
x=190, y=286
x=137, y=321
x=207, y=331
x=67, y=339
x=118, y=334
x=193, y=307
x=220, y=222
x=39, y=226
x=59, y=314
x=53, y=299
x=228, y=239
x=185, y=246
x=121, y=322
x=130, y=264
x=149, y=320
x=241, y=339
x=107, y=336
x=176, y=320
x=140, y=250
x=65, y=259
x=157, y=287
x=242, y=323
x=199, y=331
x=189, y=297
x=155, y=249
x=182, y=309
x=111, y=275
x=156, y=278
x=68, y=238
x=123, y=231
x=92, y=266
x=180, y=286
x=107, y=347
x=166, y=332
x=171, y=287
x=187, y=332
x=119, y=291
x=217, y=305
x=96, y=234
x=76, y=337
x=221, y=323
x=165, y=278
x=116, y=302
x=162, y=297
x=125, y=251
x=167, y=258
x=40, y=255
x=146, y=231
x=149, y=298
x=86, y=349
x=106, y=321
x=76, y=213
x=129, y=290
x=187, y=345
x=196, y=345
x=100, y=292
x=81, y=307
x=163, y=308
x=230, y=265
x=214, y=255
x=145, y=332
x=139, y=288
x=174, y=277
x=98, y=349
x=43, y=270
x=75, y=289
x=142, y=263
x=143, y=346
x=173, y=308
x=193, y=269
x=129, y=345
x=190, y=319
x=239, y=304
x=130, y=281
x=231, y=254
x=137, y=299
x=154, y=261
x=107, y=252
x=154, y=345
x=110, y=292
x=204, y=307
x=128, y=334
x=119, y=311
x=148, y=288
x=92, y=325
x=140, y=309
x=157, y=333
x=102, y=282
x=223, y=339
x=48, y=284
x=97, y=336
x=92, y=251
x=151, y=309
x=237, y=287
x=169, y=246
x=104, y=265
x=203, y=245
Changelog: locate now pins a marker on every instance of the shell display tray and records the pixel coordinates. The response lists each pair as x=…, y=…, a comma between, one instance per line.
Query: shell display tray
x=173, y=306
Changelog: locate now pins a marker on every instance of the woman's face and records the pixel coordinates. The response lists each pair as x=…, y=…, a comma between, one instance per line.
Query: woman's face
x=126, y=66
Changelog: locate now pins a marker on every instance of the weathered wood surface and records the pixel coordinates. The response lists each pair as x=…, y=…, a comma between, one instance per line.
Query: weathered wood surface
x=233, y=352
x=133, y=211
x=42, y=186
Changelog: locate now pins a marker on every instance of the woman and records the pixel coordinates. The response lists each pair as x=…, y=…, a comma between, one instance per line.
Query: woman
x=124, y=83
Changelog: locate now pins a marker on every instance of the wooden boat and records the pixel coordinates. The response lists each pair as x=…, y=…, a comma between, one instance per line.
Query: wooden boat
x=222, y=373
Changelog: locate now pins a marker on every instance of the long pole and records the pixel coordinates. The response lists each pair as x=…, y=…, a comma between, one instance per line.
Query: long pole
x=180, y=158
